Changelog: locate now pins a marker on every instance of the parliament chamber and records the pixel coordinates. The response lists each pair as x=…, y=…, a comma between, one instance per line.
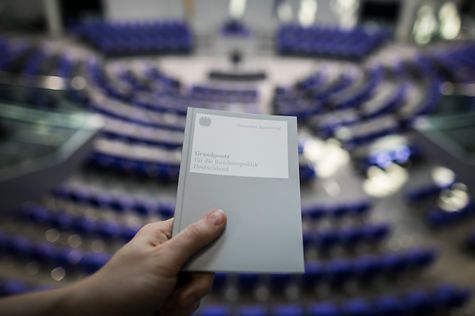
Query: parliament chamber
x=388, y=221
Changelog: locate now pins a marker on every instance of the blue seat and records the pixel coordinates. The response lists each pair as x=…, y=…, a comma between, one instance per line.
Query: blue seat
x=62, y=221
x=367, y=268
x=339, y=271
x=450, y=297
x=389, y=306
x=68, y=258
x=393, y=264
x=323, y=309
x=91, y=262
x=18, y=246
x=252, y=310
x=287, y=310
x=214, y=310
x=12, y=287
x=44, y=252
x=108, y=230
x=318, y=40
x=220, y=281
x=118, y=39
x=279, y=281
x=357, y=307
x=84, y=226
x=419, y=258
x=314, y=273
x=419, y=303
x=248, y=281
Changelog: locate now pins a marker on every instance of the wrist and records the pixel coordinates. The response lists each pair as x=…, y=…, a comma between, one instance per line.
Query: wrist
x=82, y=298
x=92, y=296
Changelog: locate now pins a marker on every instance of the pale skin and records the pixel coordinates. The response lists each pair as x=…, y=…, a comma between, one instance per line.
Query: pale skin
x=142, y=278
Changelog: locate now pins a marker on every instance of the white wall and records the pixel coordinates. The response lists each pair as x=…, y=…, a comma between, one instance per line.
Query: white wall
x=142, y=9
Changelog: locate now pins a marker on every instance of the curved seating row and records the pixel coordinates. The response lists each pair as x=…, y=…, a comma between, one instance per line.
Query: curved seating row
x=315, y=212
x=77, y=224
x=135, y=166
x=400, y=155
x=423, y=192
x=361, y=92
x=118, y=203
x=47, y=253
x=441, y=299
x=439, y=218
x=347, y=237
x=336, y=272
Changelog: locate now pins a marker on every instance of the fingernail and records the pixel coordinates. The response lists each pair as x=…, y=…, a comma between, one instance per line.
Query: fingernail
x=216, y=217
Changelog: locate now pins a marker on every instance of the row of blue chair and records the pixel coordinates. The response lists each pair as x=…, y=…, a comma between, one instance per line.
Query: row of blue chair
x=337, y=272
x=331, y=112
x=200, y=95
x=137, y=167
x=391, y=104
x=313, y=95
x=362, y=93
x=34, y=60
x=217, y=93
x=348, y=237
x=32, y=66
x=118, y=203
x=367, y=268
x=456, y=62
x=370, y=234
x=160, y=169
x=10, y=287
x=317, y=84
x=442, y=299
x=400, y=155
x=367, y=131
x=326, y=124
x=46, y=253
x=169, y=100
x=65, y=64
x=315, y=212
x=170, y=83
x=423, y=192
x=77, y=224
x=432, y=87
x=13, y=52
x=439, y=218
x=65, y=67
x=116, y=38
x=355, y=43
x=161, y=123
x=310, y=82
x=414, y=302
x=139, y=138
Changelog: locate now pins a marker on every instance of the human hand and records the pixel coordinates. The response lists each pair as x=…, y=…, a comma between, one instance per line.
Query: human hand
x=143, y=277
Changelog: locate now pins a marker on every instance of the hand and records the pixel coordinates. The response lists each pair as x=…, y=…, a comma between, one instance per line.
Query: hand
x=144, y=277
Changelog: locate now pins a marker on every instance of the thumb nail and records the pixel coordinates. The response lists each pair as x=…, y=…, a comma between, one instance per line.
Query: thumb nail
x=216, y=217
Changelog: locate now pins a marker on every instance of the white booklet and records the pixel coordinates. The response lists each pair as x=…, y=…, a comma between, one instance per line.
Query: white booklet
x=247, y=165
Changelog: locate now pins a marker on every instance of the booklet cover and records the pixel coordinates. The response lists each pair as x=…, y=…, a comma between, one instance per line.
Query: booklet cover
x=247, y=165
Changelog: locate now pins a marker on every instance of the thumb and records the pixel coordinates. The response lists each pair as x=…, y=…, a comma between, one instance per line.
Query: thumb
x=195, y=236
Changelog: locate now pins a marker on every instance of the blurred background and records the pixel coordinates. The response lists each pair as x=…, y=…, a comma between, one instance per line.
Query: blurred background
x=93, y=97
